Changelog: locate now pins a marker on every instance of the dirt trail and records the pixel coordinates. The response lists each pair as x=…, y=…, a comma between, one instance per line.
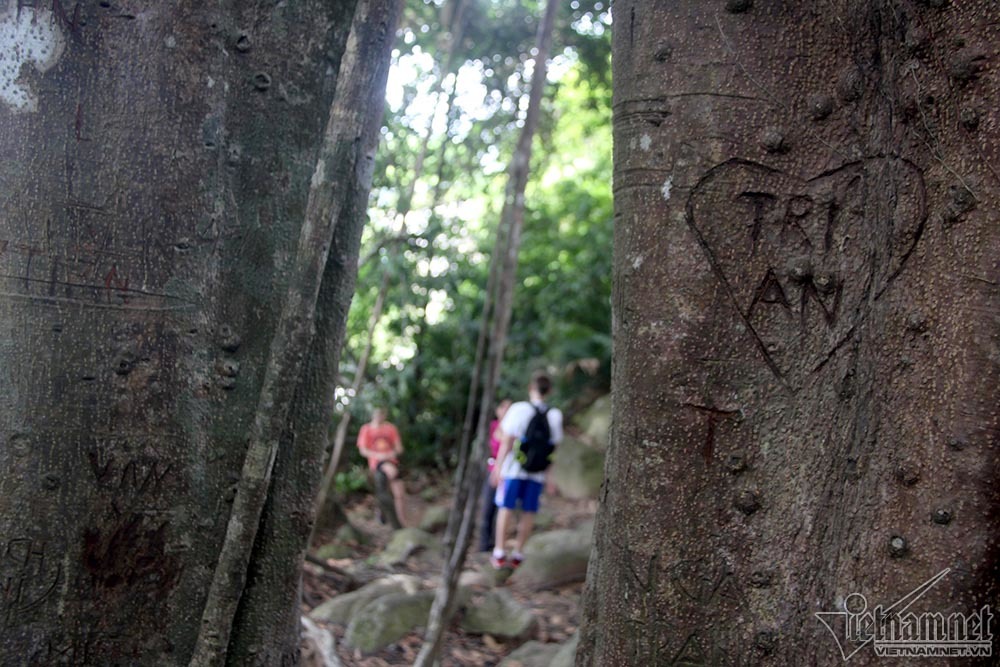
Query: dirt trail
x=557, y=610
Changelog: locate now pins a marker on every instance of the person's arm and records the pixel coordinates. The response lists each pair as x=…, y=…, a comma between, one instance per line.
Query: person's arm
x=363, y=442
x=506, y=445
x=551, y=488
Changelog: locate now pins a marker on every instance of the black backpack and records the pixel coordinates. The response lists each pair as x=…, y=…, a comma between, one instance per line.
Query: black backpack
x=534, y=452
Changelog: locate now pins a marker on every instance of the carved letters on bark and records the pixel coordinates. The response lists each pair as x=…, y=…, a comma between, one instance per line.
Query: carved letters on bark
x=797, y=255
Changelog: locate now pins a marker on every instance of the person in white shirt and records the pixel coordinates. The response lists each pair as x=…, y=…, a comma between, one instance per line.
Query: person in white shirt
x=516, y=486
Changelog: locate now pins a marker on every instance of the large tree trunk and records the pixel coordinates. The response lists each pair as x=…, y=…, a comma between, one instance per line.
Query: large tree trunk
x=157, y=161
x=806, y=301
x=266, y=625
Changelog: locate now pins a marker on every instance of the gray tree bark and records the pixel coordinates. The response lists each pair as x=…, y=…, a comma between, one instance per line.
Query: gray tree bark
x=806, y=356
x=159, y=159
x=266, y=625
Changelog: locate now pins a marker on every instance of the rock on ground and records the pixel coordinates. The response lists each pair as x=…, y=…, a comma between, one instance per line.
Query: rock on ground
x=434, y=519
x=335, y=551
x=578, y=466
x=407, y=542
x=388, y=619
x=578, y=469
x=500, y=615
x=341, y=608
x=595, y=422
x=317, y=646
x=531, y=654
x=566, y=655
x=555, y=558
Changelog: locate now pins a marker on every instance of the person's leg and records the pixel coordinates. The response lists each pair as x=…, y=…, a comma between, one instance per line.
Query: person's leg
x=399, y=499
x=384, y=501
x=508, y=495
x=487, y=531
x=524, y=528
x=530, y=496
x=398, y=489
x=503, y=520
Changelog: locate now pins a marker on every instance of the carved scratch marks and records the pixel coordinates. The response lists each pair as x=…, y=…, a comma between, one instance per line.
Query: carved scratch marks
x=130, y=476
x=133, y=470
x=88, y=274
x=29, y=573
x=804, y=258
x=706, y=589
x=108, y=544
x=713, y=416
x=139, y=472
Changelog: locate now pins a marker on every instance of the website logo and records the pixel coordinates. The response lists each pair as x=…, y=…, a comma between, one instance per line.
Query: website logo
x=896, y=632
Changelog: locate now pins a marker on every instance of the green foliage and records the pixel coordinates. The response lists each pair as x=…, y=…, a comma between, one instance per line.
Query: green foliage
x=351, y=480
x=424, y=344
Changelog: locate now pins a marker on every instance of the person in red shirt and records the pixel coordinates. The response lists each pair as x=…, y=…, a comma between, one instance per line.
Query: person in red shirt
x=380, y=443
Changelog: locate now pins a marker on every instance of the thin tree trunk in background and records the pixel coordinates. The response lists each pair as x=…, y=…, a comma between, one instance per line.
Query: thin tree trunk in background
x=341, y=160
x=482, y=340
x=806, y=363
x=454, y=40
x=156, y=167
x=340, y=437
x=462, y=519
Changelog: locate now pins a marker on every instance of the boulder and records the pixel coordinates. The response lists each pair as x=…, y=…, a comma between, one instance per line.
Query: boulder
x=577, y=469
x=345, y=543
x=595, y=422
x=586, y=527
x=544, y=520
x=348, y=533
x=474, y=579
x=342, y=608
x=555, y=558
x=488, y=576
x=388, y=619
x=498, y=614
x=435, y=519
x=566, y=655
x=317, y=648
x=531, y=654
x=407, y=542
x=335, y=551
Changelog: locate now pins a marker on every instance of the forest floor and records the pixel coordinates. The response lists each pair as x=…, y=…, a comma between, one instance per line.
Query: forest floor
x=556, y=609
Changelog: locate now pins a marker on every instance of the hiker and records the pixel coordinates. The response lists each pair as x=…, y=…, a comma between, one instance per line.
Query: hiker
x=380, y=443
x=488, y=530
x=530, y=431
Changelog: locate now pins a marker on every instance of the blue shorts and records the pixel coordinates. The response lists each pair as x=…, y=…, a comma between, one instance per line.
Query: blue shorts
x=513, y=490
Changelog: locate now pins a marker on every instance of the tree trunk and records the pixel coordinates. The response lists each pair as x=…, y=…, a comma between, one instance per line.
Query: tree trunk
x=340, y=436
x=159, y=161
x=461, y=521
x=266, y=625
x=806, y=356
x=340, y=433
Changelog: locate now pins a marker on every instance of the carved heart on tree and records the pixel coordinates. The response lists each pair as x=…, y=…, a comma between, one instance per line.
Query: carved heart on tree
x=804, y=259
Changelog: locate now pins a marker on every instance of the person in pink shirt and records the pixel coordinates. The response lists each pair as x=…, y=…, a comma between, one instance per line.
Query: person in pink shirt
x=487, y=533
